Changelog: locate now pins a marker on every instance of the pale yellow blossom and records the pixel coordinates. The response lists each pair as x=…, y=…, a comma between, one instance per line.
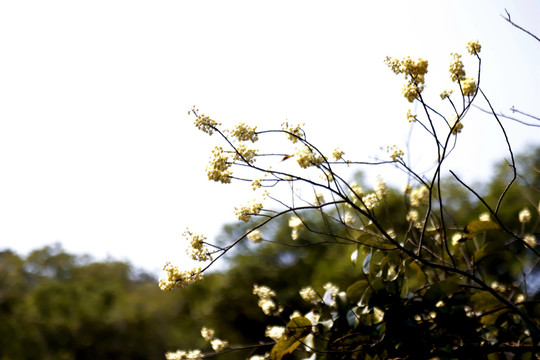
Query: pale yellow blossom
x=473, y=47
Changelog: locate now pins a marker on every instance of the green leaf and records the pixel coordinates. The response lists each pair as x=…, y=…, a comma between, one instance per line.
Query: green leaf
x=414, y=279
x=441, y=289
x=371, y=240
x=356, y=291
x=296, y=331
x=477, y=226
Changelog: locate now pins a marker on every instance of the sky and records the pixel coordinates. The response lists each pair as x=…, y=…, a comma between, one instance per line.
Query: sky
x=98, y=153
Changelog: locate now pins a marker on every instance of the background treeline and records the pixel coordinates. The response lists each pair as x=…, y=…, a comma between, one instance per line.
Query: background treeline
x=56, y=305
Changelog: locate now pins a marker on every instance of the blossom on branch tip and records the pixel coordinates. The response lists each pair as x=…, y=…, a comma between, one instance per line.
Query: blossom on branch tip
x=205, y=124
x=244, y=132
x=255, y=236
x=218, y=168
x=183, y=355
x=468, y=86
x=307, y=157
x=530, y=240
x=370, y=201
x=380, y=189
x=196, y=249
x=309, y=294
x=395, y=152
x=410, y=116
x=446, y=94
x=245, y=212
x=266, y=302
x=294, y=132
x=275, y=332
x=178, y=278
x=455, y=125
x=473, y=47
x=337, y=154
x=207, y=334
x=524, y=216
x=456, y=69
x=419, y=196
x=245, y=154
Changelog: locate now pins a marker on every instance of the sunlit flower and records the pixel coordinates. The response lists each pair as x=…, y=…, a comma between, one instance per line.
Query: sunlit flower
x=370, y=201
x=485, y=216
x=309, y=294
x=205, y=124
x=244, y=132
x=473, y=47
x=349, y=219
x=197, y=250
x=218, y=168
x=337, y=154
x=455, y=125
x=266, y=302
x=457, y=239
x=307, y=157
x=446, y=94
x=245, y=212
x=524, y=216
x=207, y=334
x=178, y=278
x=255, y=236
x=530, y=239
x=456, y=69
x=419, y=196
x=218, y=344
x=410, y=116
x=293, y=132
x=468, y=86
x=275, y=332
x=296, y=223
x=413, y=215
x=183, y=355
x=244, y=154
x=380, y=189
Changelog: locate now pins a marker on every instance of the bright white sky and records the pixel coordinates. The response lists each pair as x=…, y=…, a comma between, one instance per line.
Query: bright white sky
x=97, y=151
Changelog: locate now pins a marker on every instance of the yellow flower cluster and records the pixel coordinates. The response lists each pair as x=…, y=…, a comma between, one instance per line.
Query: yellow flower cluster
x=266, y=302
x=205, y=124
x=337, y=154
x=184, y=355
x=255, y=236
x=274, y=332
x=415, y=73
x=457, y=71
x=524, y=216
x=245, y=154
x=197, y=250
x=296, y=224
x=410, y=116
x=245, y=212
x=306, y=157
x=294, y=132
x=419, y=196
x=468, y=86
x=217, y=344
x=309, y=294
x=179, y=278
x=455, y=125
x=446, y=94
x=473, y=47
x=244, y=132
x=370, y=201
x=395, y=152
x=380, y=189
x=218, y=168
x=530, y=240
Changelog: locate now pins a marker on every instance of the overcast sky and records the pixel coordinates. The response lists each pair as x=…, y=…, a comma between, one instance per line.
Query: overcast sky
x=97, y=151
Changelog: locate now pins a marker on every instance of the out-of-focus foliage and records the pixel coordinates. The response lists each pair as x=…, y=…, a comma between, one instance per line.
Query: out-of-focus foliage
x=54, y=305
